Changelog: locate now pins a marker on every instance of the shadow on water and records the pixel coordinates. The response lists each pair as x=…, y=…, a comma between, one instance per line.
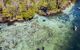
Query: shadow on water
x=75, y=44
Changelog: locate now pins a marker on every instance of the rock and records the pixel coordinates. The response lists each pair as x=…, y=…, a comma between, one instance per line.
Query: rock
x=79, y=8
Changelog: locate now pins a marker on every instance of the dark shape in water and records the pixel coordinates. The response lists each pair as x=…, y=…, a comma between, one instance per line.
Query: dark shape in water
x=44, y=20
x=0, y=48
x=42, y=48
x=38, y=49
x=0, y=28
x=9, y=23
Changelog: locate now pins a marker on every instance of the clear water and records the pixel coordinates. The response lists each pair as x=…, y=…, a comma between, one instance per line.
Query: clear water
x=76, y=40
x=52, y=25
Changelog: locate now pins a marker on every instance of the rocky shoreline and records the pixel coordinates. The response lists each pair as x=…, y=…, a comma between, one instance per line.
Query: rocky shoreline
x=60, y=10
x=43, y=11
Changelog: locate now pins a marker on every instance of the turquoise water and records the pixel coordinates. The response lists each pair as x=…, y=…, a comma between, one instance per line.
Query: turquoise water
x=76, y=40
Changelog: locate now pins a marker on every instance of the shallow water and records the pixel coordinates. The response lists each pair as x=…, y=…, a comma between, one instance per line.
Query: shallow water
x=53, y=33
x=76, y=22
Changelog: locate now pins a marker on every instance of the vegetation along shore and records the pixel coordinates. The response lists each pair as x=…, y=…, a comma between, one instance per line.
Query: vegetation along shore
x=21, y=10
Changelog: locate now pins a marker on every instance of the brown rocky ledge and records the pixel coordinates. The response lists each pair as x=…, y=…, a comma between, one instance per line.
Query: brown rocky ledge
x=53, y=12
x=44, y=11
x=10, y=21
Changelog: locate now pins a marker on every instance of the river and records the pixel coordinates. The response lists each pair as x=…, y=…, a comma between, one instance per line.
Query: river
x=60, y=32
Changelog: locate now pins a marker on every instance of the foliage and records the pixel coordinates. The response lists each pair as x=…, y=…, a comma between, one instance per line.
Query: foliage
x=18, y=17
x=28, y=14
x=8, y=1
x=6, y=12
x=27, y=8
x=0, y=5
x=52, y=4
